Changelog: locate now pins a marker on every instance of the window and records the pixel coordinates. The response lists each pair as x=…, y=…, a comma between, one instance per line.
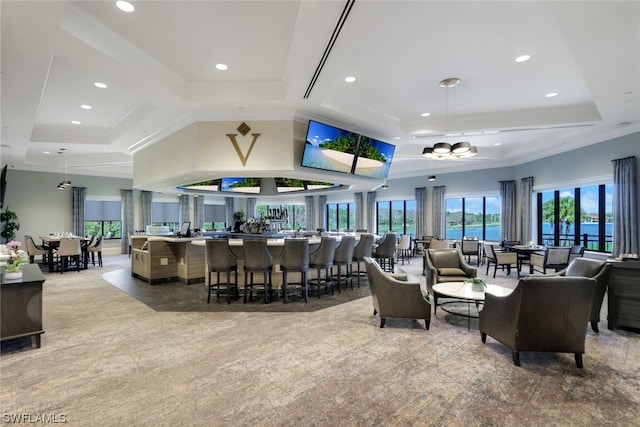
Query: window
x=477, y=217
x=577, y=216
x=215, y=217
x=166, y=214
x=295, y=218
x=398, y=216
x=341, y=216
x=103, y=218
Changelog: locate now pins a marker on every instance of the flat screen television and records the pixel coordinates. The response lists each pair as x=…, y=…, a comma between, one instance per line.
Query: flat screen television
x=240, y=185
x=329, y=148
x=374, y=158
x=185, y=231
x=334, y=149
x=287, y=185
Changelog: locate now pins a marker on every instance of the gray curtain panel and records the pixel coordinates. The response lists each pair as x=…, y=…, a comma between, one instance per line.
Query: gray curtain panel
x=309, y=209
x=251, y=207
x=439, y=226
x=230, y=209
x=198, y=212
x=371, y=212
x=526, y=218
x=508, y=210
x=358, y=200
x=322, y=212
x=127, y=219
x=78, y=196
x=184, y=209
x=146, y=198
x=421, y=212
x=625, y=206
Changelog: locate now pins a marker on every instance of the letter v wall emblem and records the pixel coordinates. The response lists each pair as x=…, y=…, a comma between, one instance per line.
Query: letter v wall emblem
x=243, y=158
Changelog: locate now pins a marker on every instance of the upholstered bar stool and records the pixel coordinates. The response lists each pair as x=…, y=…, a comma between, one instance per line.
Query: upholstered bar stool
x=295, y=259
x=343, y=257
x=363, y=249
x=322, y=259
x=220, y=259
x=385, y=253
x=257, y=259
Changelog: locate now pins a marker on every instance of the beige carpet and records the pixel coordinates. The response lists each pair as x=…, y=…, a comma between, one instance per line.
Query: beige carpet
x=110, y=360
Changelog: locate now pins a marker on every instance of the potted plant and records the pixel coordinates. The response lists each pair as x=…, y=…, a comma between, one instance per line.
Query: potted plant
x=238, y=218
x=10, y=224
x=477, y=284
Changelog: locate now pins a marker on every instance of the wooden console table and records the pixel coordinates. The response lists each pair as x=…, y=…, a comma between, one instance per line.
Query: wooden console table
x=21, y=302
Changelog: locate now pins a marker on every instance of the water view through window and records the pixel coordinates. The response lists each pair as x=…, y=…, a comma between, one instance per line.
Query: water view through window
x=477, y=217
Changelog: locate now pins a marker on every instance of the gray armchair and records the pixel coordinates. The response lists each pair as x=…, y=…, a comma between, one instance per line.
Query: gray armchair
x=447, y=265
x=547, y=314
x=598, y=270
x=396, y=295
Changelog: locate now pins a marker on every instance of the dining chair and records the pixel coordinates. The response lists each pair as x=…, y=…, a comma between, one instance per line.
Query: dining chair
x=220, y=259
x=403, y=248
x=69, y=249
x=96, y=248
x=33, y=249
x=295, y=259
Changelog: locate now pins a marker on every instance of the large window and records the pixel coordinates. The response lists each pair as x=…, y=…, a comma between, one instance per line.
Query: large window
x=477, y=217
x=103, y=218
x=341, y=216
x=398, y=216
x=577, y=216
x=215, y=217
x=295, y=218
x=166, y=214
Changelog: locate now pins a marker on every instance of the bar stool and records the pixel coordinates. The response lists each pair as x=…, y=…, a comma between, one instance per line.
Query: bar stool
x=257, y=259
x=385, y=253
x=361, y=250
x=295, y=259
x=322, y=259
x=94, y=249
x=343, y=256
x=403, y=248
x=220, y=259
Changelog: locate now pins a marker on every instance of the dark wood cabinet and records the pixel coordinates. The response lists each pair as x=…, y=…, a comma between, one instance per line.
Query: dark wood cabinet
x=21, y=303
x=624, y=295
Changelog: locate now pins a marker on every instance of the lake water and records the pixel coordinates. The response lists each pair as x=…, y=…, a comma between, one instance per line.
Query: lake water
x=493, y=232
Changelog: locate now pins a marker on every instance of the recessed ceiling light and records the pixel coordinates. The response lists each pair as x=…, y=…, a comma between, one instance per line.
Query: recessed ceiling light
x=100, y=85
x=497, y=143
x=523, y=58
x=46, y=152
x=551, y=94
x=397, y=137
x=125, y=6
x=86, y=107
x=350, y=79
x=75, y=122
x=425, y=114
x=221, y=67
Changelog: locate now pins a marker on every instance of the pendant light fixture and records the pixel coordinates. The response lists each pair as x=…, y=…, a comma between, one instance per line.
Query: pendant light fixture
x=445, y=150
x=65, y=183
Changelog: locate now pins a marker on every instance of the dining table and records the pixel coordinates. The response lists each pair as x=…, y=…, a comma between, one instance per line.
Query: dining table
x=524, y=254
x=52, y=242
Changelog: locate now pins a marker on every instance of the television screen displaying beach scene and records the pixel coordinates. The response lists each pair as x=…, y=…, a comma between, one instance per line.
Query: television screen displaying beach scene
x=241, y=185
x=329, y=148
x=374, y=158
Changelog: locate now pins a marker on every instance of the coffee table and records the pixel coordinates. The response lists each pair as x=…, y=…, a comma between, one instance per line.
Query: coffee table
x=462, y=292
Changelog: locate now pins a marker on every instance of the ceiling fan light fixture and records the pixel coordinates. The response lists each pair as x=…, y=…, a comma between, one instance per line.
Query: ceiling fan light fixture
x=428, y=151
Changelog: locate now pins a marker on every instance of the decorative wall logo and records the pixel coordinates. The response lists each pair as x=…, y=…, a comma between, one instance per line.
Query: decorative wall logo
x=244, y=129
